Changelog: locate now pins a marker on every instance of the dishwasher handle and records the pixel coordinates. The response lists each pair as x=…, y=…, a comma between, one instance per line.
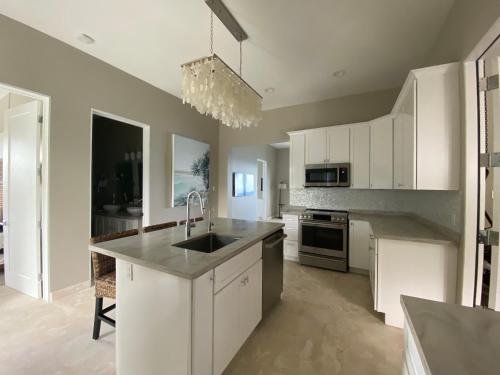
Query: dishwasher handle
x=274, y=243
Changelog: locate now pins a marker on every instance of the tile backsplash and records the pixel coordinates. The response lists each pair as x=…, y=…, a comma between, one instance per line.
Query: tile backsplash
x=441, y=207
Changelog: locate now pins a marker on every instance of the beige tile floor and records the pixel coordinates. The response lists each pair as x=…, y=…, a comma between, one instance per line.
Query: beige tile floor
x=325, y=325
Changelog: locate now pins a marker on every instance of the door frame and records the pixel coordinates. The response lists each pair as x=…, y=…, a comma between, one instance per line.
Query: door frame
x=266, y=187
x=468, y=256
x=45, y=184
x=146, y=163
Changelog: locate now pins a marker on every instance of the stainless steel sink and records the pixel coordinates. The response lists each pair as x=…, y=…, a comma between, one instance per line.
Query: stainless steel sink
x=207, y=243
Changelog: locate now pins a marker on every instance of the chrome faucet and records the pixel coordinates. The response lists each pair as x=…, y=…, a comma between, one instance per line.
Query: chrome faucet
x=188, y=211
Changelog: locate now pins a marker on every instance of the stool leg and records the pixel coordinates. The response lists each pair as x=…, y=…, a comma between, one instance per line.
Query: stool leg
x=97, y=321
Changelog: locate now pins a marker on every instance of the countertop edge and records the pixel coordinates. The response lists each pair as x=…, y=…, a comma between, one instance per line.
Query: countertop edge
x=415, y=336
x=189, y=276
x=364, y=216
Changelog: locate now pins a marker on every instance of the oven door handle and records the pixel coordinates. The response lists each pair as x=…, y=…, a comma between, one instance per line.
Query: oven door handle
x=315, y=224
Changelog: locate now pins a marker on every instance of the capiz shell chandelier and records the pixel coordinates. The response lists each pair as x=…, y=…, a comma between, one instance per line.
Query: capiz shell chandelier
x=213, y=88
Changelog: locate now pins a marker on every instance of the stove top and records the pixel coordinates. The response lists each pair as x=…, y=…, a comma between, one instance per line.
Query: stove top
x=316, y=214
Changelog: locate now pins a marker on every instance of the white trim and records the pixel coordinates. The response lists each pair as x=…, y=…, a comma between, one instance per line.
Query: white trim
x=70, y=290
x=45, y=162
x=467, y=257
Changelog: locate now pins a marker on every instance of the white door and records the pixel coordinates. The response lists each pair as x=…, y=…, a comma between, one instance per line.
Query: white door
x=316, y=147
x=22, y=193
x=297, y=161
x=360, y=156
x=338, y=144
x=381, y=153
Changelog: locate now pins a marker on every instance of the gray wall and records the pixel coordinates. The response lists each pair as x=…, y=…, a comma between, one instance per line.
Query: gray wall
x=442, y=207
x=466, y=24
x=244, y=159
x=277, y=122
x=77, y=82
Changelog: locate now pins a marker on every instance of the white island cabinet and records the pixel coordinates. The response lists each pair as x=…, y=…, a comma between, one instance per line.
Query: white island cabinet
x=173, y=325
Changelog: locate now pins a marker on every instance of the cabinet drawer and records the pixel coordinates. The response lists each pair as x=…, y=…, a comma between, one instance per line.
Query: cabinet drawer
x=412, y=356
x=291, y=250
x=226, y=272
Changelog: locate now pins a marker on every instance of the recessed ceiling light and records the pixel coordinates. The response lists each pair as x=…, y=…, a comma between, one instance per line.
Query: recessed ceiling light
x=85, y=38
x=339, y=73
x=269, y=90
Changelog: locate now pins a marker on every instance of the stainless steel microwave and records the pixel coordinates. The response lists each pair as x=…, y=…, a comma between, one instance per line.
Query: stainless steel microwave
x=327, y=175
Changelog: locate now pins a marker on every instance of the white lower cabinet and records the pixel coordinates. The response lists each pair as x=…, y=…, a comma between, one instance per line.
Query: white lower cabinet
x=418, y=269
x=237, y=311
x=291, y=244
x=167, y=324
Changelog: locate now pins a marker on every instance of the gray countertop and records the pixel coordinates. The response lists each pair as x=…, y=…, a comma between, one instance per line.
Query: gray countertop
x=154, y=250
x=453, y=339
x=402, y=227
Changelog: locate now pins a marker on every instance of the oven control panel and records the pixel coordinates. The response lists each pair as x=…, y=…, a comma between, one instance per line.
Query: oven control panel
x=333, y=217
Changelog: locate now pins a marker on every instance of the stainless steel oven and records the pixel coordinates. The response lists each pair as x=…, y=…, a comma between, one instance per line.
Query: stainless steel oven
x=327, y=175
x=323, y=239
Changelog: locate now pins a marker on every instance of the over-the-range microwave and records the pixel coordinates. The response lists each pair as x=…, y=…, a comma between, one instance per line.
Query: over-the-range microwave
x=327, y=175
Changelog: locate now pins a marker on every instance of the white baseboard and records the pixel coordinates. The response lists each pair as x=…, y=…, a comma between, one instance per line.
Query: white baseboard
x=65, y=292
x=291, y=258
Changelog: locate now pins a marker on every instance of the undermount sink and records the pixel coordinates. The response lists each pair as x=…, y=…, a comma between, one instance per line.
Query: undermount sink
x=207, y=243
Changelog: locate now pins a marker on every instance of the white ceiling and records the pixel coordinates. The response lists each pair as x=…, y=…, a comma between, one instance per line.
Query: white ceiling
x=294, y=45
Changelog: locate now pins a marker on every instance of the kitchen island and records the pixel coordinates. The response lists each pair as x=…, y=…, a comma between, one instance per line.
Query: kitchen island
x=181, y=311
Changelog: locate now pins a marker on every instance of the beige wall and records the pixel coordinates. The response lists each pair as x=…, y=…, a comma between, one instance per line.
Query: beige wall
x=467, y=22
x=77, y=82
x=277, y=122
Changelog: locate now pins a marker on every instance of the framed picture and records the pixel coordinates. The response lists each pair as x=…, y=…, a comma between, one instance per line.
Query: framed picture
x=191, y=168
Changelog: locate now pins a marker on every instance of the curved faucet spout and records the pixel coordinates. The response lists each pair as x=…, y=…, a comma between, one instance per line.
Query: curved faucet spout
x=188, y=210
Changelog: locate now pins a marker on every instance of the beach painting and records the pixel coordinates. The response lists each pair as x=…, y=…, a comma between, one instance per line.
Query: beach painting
x=191, y=166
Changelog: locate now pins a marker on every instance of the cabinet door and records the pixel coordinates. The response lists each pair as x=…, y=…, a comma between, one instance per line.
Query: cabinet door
x=405, y=143
x=227, y=333
x=359, y=243
x=381, y=153
x=338, y=144
x=250, y=301
x=297, y=155
x=360, y=156
x=316, y=146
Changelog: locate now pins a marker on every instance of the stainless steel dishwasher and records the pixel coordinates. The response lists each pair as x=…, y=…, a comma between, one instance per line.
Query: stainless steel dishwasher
x=272, y=271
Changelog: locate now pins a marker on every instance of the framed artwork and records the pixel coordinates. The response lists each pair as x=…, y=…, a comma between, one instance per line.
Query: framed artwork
x=191, y=168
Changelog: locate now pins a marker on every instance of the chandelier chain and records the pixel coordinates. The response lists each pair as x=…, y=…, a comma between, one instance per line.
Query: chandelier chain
x=211, y=33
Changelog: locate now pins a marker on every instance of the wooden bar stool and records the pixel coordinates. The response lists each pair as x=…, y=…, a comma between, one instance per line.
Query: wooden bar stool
x=105, y=280
x=152, y=228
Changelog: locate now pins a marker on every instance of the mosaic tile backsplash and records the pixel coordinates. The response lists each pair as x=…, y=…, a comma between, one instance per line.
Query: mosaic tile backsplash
x=442, y=207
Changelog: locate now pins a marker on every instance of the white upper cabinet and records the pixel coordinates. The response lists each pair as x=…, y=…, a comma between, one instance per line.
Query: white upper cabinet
x=405, y=161
x=381, y=153
x=316, y=146
x=360, y=156
x=338, y=144
x=429, y=102
x=297, y=160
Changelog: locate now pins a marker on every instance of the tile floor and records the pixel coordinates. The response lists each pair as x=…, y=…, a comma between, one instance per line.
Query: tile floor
x=325, y=325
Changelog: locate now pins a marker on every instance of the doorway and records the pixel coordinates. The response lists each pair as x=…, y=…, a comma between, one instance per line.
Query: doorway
x=24, y=128
x=120, y=174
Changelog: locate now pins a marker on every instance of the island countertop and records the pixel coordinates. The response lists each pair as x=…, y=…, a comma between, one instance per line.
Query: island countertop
x=454, y=339
x=155, y=250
